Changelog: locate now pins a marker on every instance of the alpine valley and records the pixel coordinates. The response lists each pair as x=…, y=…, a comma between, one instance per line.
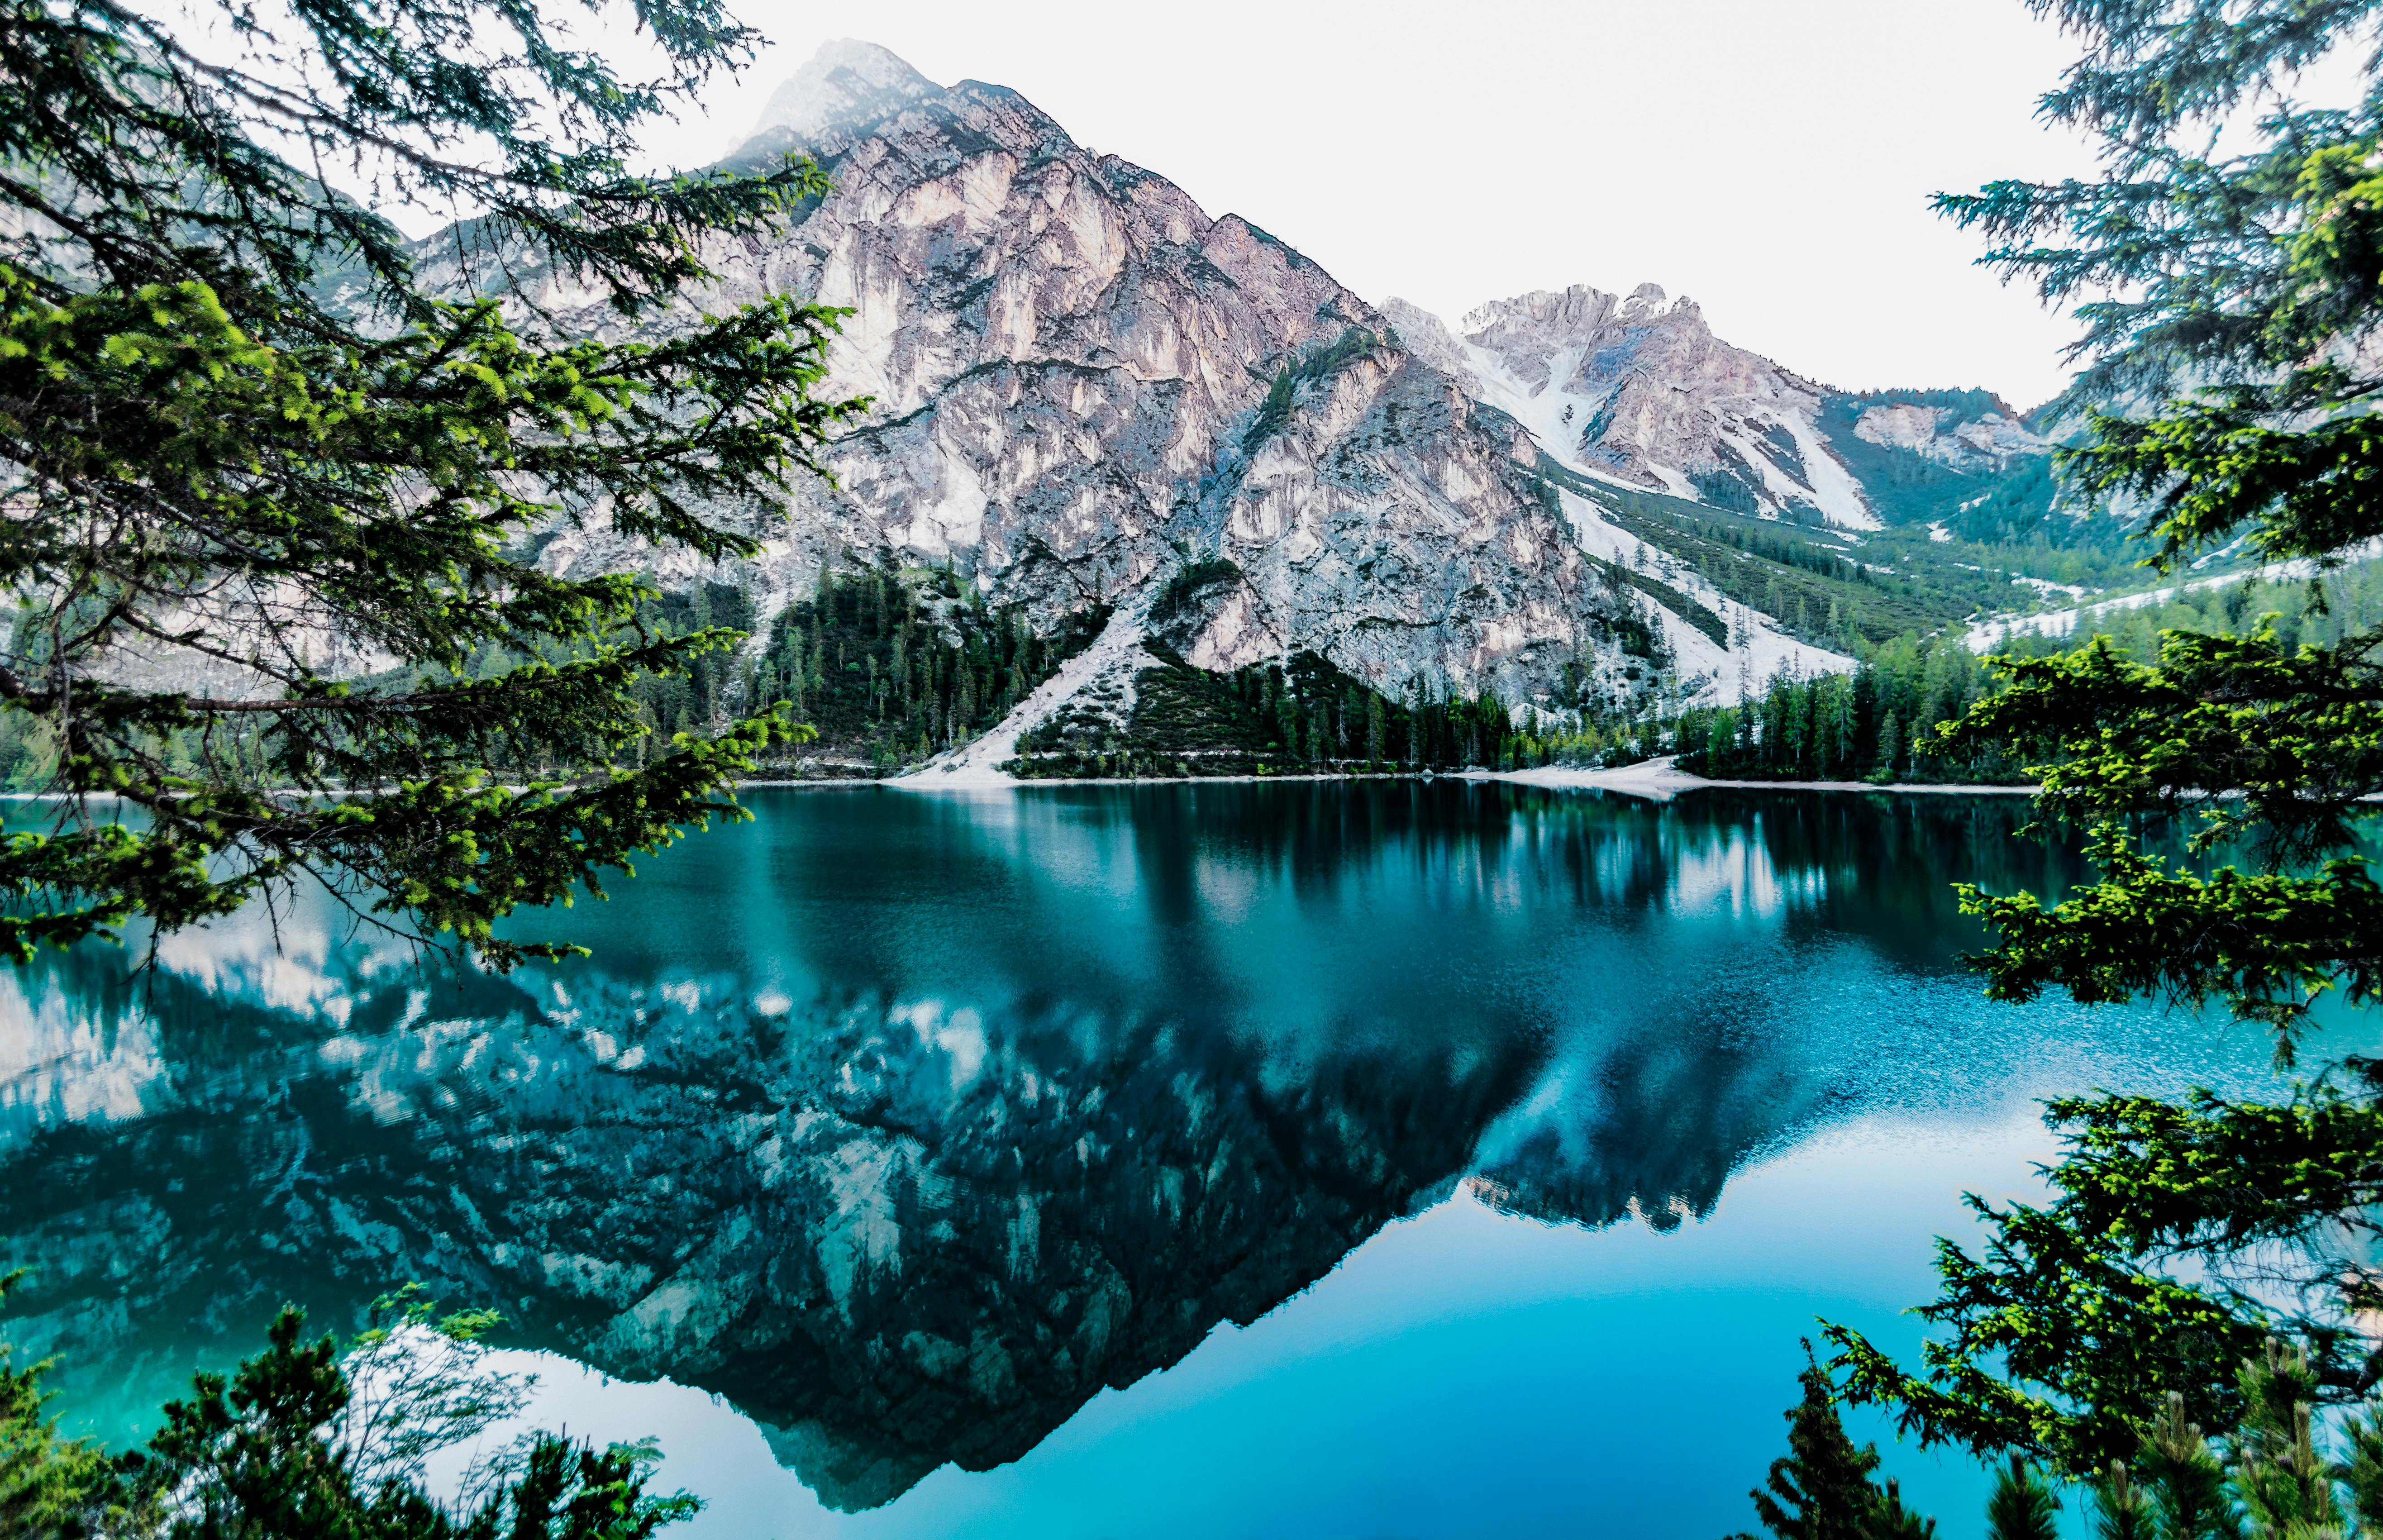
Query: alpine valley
x=1144, y=487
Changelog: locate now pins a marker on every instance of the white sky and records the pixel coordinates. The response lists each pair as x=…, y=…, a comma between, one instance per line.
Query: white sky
x=1770, y=158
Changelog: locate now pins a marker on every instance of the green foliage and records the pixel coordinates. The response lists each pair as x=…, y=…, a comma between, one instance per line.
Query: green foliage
x=248, y=440
x=2277, y=1481
x=1781, y=570
x=1891, y=1521
x=2225, y=298
x=895, y=666
x=49, y=1486
x=1181, y=591
x=2067, y=1336
x=2122, y=1509
x=1858, y=726
x=306, y=1443
x=2285, y=1487
x=1905, y=487
x=1836, y=589
x=2022, y=1506
x=1306, y=717
x=2190, y=1494
x=1273, y=412
x=1319, y=362
x=2324, y=611
x=1821, y=1489
x=1640, y=639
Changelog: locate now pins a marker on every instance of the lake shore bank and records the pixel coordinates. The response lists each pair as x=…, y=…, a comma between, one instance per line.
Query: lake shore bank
x=1653, y=779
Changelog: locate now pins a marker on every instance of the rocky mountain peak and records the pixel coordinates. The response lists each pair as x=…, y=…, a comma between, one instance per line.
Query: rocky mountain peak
x=845, y=84
x=1079, y=381
x=1646, y=299
x=1635, y=389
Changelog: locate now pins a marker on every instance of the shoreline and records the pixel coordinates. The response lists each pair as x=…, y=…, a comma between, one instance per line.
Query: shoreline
x=1652, y=779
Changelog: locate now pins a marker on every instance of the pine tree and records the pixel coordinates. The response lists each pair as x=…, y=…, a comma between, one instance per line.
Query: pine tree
x=2227, y=288
x=2187, y=1482
x=243, y=432
x=1890, y=746
x=2122, y=1510
x=2022, y=1506
x=1821, y=1489
x=1891, y=1521
x=1275, y=412
x=2361, y=1474
x=2285, y=1487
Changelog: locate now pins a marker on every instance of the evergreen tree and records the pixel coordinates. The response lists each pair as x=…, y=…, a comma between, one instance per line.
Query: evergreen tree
x=1273, y=412
x=2022, y=1506
x=2227, y=297
x=1821, y=1489
x=243, y=429
x=2122, y=1510
x=2284, y=1484
x=293, y=1446
x=1891, y=1521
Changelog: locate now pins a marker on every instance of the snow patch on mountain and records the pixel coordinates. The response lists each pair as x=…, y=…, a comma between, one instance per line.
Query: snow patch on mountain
x=1635, y=390
x=1761, y=651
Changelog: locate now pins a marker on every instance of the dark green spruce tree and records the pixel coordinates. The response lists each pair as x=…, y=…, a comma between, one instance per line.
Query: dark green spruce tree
x=1820, y=1489
x=271, y=474
x=2230, y=302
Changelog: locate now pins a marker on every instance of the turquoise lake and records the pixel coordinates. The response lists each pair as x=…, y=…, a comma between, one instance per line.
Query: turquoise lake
x=1408, y=1159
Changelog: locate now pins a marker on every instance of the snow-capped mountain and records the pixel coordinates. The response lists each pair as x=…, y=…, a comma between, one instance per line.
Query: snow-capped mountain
x=1637, y=390
x=1084, y=385
x=1069, y=359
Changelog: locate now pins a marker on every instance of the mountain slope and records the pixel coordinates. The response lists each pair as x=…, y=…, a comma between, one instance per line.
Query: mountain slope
x=1637, y=391
x=1088, y=392
x=1071, y=366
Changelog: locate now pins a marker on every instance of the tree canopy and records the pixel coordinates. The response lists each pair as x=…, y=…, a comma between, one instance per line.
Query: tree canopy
x=273, y=475
x=2229, y=302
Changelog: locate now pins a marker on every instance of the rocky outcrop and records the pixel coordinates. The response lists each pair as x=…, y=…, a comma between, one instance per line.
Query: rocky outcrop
x=1070, y=362
x=1637, y=390
x=1989, y=440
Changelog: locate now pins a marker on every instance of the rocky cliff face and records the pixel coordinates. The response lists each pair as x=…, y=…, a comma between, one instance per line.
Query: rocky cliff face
x=1638, y=390
x=1635, y=389
x=1070, y=361
x=1991, y=440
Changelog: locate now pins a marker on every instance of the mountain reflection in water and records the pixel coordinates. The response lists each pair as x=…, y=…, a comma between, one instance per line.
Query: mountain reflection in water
x=909, y=1123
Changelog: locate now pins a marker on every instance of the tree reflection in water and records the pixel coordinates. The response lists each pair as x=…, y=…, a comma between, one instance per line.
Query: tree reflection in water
x=908, y=1123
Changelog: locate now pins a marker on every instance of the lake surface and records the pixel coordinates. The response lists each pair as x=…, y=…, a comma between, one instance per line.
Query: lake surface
x=1320, y=1160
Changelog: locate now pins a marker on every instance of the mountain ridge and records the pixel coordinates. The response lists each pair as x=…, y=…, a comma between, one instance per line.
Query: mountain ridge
x=1086, y=387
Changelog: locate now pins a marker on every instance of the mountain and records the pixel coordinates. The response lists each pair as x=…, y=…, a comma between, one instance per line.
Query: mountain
x=1070, y=363
x=1098, y=410
x=1637, y=390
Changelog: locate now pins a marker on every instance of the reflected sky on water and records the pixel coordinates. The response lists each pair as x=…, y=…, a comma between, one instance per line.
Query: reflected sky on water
x=1417, y=1158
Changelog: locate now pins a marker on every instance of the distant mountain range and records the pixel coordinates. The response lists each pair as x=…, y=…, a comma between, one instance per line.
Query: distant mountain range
x=1086, y=387
x=1638, y=391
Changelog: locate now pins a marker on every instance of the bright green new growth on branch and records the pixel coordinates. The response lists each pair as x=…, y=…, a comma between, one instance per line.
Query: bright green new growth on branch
x=2227, y=402
x=243, y=437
